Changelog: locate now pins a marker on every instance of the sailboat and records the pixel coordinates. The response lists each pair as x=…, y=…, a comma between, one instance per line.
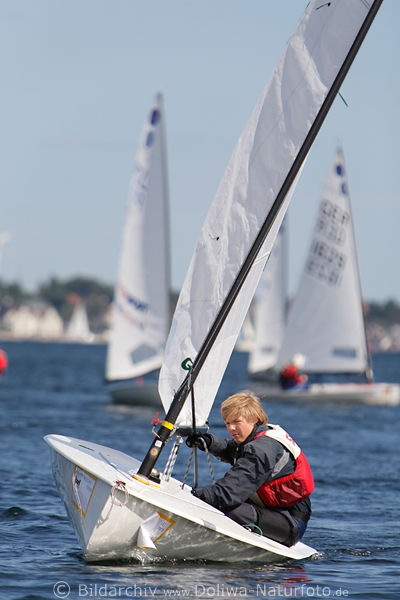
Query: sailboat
x=326, y=324
x=246, y=340
x=121, y=507
x=270, y=311
x=78, y=329
x=140, y=314
x=262, y=329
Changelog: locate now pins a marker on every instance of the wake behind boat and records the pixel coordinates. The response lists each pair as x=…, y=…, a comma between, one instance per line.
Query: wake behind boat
x=157, y=514
x=140, y=317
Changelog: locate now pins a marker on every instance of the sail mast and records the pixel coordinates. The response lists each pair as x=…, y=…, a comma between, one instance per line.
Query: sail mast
x=184, y=389
x=368, y=371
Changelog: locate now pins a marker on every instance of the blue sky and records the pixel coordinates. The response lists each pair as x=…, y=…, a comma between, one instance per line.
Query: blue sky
x=77, y=81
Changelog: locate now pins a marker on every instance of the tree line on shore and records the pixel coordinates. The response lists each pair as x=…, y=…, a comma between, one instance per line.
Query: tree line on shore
x=63, y=294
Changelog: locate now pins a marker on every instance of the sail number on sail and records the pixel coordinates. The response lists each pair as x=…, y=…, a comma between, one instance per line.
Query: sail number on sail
x=325, y=262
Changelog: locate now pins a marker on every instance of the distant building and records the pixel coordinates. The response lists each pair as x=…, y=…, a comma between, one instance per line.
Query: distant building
x=35, y=320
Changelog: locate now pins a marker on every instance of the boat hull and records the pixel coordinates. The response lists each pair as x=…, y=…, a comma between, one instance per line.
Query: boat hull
x=132, y=392
x=110, y=510
x=386, y=394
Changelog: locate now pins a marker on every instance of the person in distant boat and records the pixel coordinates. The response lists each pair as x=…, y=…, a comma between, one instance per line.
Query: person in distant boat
x=268, y=486
x=290, y=376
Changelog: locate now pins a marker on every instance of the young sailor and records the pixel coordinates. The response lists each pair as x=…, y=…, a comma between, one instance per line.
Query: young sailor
x=290, y=376
x=268, y=485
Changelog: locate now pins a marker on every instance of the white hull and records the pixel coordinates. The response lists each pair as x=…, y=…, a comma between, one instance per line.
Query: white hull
x=108, y=516
x=135, y=393
x=364, y=393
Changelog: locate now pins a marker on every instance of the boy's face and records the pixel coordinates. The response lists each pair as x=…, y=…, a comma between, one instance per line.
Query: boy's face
x=239, y=428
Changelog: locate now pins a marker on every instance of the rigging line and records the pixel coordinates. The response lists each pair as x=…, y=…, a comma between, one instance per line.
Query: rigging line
x=205, y=447
x=368, y=371
x=187, y=470
x=195, y=464
x=185, y=387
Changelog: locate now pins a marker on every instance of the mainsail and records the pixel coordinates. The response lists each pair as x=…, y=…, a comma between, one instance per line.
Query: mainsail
x=140, y=316
x=326, y=323
x=249, y=206
x=270, y=307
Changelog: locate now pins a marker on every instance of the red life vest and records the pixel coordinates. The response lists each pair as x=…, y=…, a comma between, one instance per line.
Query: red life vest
x=290, y=489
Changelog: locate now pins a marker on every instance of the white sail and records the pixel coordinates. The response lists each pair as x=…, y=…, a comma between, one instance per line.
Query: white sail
x=270, y=307
x=78, y=329
x=140, y=317
x=325, y=322
x=264, y=156
x=246, y=340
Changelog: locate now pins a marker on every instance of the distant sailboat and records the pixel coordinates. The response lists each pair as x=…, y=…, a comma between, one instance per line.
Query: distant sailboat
x=140, y=318
x=78, y=329
x=326, y=324
x=270, y=310
x=246, y=339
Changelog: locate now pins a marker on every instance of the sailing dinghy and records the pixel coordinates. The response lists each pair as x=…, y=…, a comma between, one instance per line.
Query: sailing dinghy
x=326, y=323
x=270, y=311
x=120, y=507
x=140, y=314
x=78, y=329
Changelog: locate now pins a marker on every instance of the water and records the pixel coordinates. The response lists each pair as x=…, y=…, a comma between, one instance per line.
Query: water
x=51, y=388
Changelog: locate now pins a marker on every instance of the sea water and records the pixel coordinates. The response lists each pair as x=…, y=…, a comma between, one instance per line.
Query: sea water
x=353, y=451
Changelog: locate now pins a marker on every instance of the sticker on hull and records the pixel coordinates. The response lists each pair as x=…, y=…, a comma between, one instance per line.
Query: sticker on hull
x=152, y=529
x=83, y=484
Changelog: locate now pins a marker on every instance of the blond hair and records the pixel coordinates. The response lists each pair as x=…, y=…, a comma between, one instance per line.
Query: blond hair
x=244, y=404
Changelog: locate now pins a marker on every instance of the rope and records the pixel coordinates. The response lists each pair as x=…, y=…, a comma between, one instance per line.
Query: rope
x=190, y=462
x=251, y=527
x=208, y=460
x=187, y=469
x=172, y=458
x=194, y=451
x=119, y=485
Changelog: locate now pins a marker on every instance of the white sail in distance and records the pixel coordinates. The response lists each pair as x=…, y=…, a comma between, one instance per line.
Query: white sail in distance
x=140, y=318
x=326, y=323
x=78, y=329
x=270, y=307
x=270, y=144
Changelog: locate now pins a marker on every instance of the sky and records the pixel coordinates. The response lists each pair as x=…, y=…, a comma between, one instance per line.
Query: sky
x=78, y=79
